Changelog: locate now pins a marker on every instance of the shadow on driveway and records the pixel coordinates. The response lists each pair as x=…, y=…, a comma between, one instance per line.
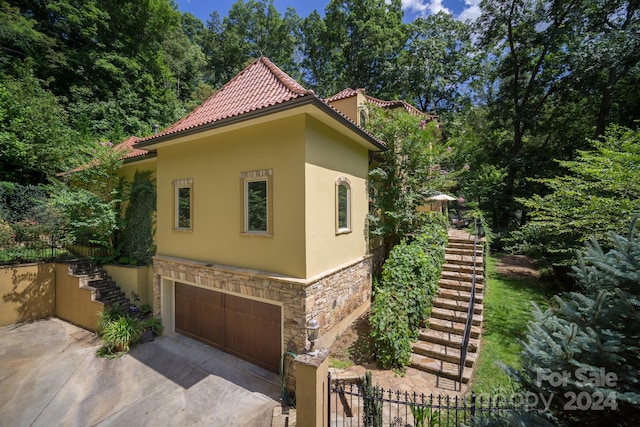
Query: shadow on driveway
x=49, y=375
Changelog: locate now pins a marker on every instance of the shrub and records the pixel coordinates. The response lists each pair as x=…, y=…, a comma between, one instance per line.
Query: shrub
x=390, y=330
x=403, y=298
x=122, y=333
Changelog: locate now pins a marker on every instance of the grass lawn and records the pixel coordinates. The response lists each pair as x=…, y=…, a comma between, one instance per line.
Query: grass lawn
x=507, y=310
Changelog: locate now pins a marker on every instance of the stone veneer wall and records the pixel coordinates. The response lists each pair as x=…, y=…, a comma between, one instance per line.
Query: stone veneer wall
x=330, y=296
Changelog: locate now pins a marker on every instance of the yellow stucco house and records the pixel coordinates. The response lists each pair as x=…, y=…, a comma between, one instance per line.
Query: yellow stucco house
x=261, y=216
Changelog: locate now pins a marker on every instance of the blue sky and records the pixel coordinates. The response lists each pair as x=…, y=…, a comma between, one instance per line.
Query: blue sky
x=461, y=9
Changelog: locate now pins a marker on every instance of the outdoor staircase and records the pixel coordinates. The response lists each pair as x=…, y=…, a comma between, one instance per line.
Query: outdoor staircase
x=106, y=290
x=438, y=348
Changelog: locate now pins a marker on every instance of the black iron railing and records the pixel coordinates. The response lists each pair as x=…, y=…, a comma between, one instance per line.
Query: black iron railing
x=40, y=248
x=464, y=344
x=353, y=405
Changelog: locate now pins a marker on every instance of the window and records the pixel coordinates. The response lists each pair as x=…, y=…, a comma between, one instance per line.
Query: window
x=343, y=206
x=257, y=203
x=183, y=219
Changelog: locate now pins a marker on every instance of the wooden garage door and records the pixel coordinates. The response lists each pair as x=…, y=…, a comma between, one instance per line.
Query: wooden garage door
x=245, y=328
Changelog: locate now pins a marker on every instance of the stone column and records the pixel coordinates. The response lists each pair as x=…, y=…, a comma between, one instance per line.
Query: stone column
x=312, y=389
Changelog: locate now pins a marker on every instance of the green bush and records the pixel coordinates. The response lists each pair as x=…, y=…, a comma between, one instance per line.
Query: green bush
x=122, y=333
x=390, y=330
x=403, y=298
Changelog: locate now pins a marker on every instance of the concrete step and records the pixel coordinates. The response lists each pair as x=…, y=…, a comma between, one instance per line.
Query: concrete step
x=448, y=339
x=455, y=316
x=440, y=368
x=442, y=352
x=460, y=295
x=461, y=276
x=458, y=305
x=459, y=285
x=453, y=327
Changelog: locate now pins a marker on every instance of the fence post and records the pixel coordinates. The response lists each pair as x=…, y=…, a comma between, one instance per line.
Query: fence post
x=312, y=389
x=473, y=404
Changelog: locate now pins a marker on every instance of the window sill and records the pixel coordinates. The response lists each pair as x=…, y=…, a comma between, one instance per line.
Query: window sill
x=256, y=234
x=343, y=231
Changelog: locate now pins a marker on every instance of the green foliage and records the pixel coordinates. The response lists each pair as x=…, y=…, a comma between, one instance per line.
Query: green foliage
x=438, y=61
x=121, y=333
x=36, y=141
x=154, y=324
x=590, y=335
x=600, y=191
x=372, y=411
x=409, y=171
x=403, y=298
x=137, y=234
x=390, y=330
x=423, y=415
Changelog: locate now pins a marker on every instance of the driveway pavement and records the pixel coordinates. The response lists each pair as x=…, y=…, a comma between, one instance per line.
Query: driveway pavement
x=50, y=376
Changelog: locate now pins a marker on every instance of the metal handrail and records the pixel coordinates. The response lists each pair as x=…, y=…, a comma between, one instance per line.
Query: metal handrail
x=464, y=344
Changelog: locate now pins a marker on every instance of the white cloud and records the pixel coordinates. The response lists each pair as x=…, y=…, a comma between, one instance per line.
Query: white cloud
x=471, y=10
x=424, y=7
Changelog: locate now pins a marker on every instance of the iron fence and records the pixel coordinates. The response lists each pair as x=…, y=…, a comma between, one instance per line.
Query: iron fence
x=352, y=405
x=46, y=247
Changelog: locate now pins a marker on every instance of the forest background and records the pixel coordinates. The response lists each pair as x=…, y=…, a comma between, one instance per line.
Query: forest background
x=525, y=94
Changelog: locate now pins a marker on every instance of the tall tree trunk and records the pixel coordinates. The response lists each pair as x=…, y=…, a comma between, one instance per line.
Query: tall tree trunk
x=605, y=103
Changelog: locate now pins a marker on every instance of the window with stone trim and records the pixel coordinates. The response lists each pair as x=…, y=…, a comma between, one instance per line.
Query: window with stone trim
x=183, y=204
x=257, y=209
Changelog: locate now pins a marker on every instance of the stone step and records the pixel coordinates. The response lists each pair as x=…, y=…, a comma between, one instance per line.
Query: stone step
x=114, y=298
x=458, y=295
x=440, y=368
x=463, y=259
x=459, y=285
x=461, y=276
x=447, y=338
x=461, y=268
x=452, y=304
x=442, y=352
x=453, y=327
x=101, y=283
x=462, y=251
x=455, y=316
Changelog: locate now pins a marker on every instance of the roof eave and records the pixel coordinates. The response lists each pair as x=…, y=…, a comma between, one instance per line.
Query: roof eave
x=293, y=103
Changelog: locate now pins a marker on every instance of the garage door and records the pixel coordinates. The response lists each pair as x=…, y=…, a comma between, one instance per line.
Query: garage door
x=245, y=328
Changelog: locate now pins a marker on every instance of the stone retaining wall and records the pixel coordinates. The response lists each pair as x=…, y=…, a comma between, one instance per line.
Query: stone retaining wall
x=330, y=297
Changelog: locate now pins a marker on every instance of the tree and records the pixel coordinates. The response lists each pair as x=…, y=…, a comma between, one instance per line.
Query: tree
x=438, y=64
x=529, y=43
x=597, y=195
x=407, y=173
x=252, y=29
x=584, y=353
x=36, y=141
x=362, y=40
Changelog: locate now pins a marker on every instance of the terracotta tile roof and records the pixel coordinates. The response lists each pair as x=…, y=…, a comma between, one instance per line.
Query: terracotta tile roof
x=126, y=146
x=348, y=93
x=260, y=85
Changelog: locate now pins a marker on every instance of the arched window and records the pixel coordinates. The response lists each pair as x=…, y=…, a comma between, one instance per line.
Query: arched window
x=343, y=205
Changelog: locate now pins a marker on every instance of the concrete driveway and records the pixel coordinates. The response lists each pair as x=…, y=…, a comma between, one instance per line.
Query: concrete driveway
x=50, y=376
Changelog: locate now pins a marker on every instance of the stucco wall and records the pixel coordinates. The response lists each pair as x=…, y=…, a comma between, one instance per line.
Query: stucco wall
x=26, y=293
x=215, y=164
x=74, y=301
x=133, y=278
x=330, y=156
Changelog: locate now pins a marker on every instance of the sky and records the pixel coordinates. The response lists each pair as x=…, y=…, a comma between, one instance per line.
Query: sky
x=460, y=9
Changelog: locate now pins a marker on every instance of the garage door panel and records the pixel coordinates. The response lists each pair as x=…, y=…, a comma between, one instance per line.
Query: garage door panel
x=200, y=314
x=243, y=327
x=253, y=331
